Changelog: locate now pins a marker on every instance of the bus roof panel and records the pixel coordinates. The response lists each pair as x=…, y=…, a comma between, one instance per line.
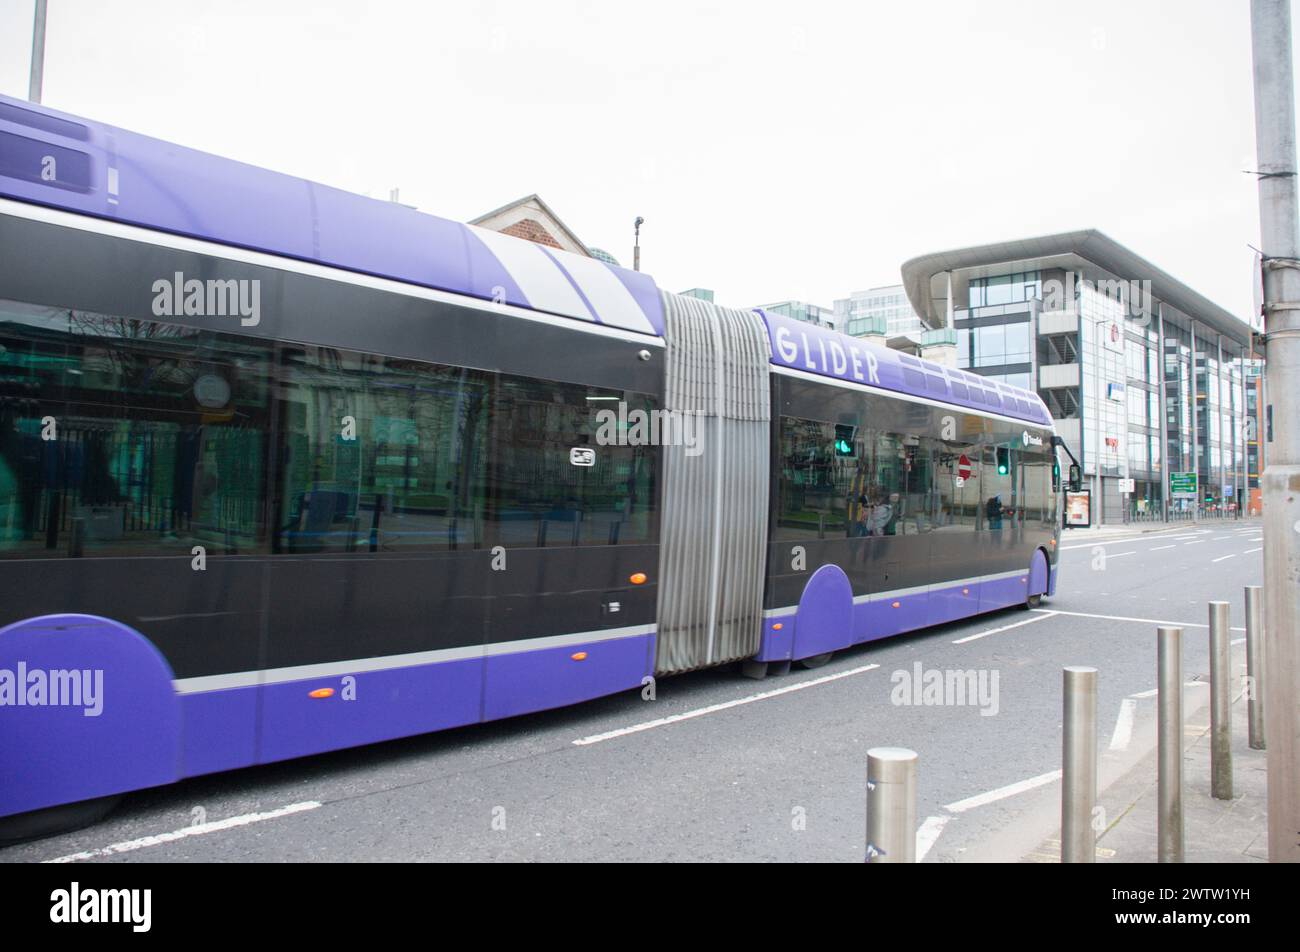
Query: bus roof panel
x=54, y=159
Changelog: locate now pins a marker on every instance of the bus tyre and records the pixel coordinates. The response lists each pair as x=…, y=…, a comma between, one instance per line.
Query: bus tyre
x=816, y=661
x=1033, y=601
x=61, y=819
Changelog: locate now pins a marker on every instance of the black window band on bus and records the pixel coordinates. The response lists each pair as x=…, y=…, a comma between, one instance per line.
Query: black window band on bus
x=121, y=437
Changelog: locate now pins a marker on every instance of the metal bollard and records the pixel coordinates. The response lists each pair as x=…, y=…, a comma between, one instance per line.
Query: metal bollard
x=891, y=805
x=1255, y=665
x=1169, y=822
x=1079, y=769
x=1220, y=704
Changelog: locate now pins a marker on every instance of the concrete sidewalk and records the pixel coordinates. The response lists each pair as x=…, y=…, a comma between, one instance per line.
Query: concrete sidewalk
x=1076, y=536
x=1214, y=831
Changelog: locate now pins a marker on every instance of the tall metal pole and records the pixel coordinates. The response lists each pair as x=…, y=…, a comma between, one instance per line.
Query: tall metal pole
x=1243, y=478
x=891, y=805
x=1255, y=665
x=1270, y=29
x=1164, y=414
x=1079, y=763
x=1221, y=419
x=1169, y=744
x=1196, y=430
x=38, y=54
x=1220, y=704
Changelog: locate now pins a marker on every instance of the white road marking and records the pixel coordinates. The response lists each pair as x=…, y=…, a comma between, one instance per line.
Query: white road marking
x=714, y=708
x=1237, y=641
x=1197, y=542
x=1220, y=538
x=1248, y=551
x=1120, y=555
x=1001, y=793
x=1222, y=557
x=1159, y=547
x=200, y=829
x=1187, y=684
x=1123, y=732
x=1089, y=545
x=994, y=631
x=928, y=833
x=1147, y=621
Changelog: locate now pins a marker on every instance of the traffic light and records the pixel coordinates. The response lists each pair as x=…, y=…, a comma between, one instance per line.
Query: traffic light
x=1004, y=461
x=843, y=439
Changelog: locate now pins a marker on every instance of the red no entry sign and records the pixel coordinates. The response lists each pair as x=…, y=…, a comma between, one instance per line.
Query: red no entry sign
x=963, y=467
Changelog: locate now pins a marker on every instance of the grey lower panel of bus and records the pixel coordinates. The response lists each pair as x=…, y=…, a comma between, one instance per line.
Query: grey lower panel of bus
x=715, y=486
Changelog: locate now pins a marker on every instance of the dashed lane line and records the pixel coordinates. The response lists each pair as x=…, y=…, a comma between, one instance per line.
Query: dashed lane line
x=1123, y=733
x=928, y=833
x=723, y=706
x=1145, y=621
x=199, y=829
x=1001, y=793
x=993, y=631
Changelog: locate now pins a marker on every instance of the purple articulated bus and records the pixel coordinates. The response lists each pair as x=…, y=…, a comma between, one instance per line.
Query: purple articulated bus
x=285, y=470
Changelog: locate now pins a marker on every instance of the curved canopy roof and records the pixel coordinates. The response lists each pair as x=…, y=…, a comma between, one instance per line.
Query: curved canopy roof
x=1071, y=249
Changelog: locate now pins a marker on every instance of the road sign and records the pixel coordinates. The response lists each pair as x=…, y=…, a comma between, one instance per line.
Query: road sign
x=1227, y=489
x=963, y=467
x=1182, y=485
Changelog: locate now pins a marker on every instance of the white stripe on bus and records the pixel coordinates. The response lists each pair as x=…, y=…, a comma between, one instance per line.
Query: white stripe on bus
x=113, y=229
x=241, y=679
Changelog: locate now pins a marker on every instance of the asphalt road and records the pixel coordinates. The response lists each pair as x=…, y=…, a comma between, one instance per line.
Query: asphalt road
x=761, y=776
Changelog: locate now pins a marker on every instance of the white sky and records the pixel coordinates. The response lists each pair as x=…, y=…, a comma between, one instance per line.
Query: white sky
x=776, y=150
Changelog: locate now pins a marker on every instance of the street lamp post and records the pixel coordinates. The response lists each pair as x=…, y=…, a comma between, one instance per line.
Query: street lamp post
x=38, y=54
x=636, y=243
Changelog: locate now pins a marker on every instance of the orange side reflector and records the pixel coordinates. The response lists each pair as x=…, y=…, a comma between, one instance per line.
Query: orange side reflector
x=637, y=578
x=322, y=692
x=896, y=604
x=778, y=626
x=965, y=591
x=579, y=656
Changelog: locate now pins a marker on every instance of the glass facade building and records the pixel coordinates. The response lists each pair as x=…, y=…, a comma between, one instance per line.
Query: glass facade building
x=802, y=311
x=883, y=311
x=1148, y=382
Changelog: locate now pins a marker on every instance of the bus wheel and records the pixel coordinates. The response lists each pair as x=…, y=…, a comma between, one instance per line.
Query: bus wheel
x=51, y=820
x=1033, y=601
x=816, y=661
